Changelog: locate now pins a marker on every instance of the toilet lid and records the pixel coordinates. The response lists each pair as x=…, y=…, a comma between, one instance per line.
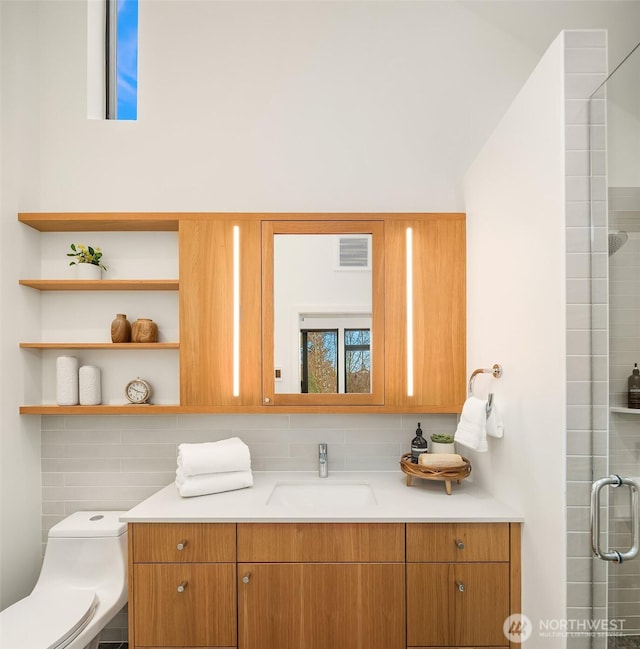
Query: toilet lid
x=47, y=619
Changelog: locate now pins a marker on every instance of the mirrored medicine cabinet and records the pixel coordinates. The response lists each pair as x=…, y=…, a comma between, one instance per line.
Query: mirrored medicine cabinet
x=323, y=312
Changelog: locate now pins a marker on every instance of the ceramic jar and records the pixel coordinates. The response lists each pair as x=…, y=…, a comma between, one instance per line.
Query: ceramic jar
x=144, y=330
x=120, y=329
x=439, y=447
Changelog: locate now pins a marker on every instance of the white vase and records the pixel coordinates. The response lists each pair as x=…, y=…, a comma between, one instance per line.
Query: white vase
x=438, y=447
x=88, y=271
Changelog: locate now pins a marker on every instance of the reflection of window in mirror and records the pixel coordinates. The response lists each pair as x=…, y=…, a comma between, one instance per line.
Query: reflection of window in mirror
x=322, y=313
x=336, y=360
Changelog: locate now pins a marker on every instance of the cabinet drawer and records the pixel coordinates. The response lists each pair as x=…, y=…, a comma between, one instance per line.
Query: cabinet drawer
x=445, y=542
x=200, y=542
x=335, y=542
x=202, y=615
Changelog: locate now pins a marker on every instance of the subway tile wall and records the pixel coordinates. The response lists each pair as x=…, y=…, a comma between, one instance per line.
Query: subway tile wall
x=587, y=297
x=114, y=462
x=624, y=436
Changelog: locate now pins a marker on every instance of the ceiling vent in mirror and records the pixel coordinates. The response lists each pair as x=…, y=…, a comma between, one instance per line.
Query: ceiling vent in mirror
x=354, y=252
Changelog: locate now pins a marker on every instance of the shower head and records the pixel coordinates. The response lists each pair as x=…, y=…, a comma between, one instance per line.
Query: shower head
x=616, y=241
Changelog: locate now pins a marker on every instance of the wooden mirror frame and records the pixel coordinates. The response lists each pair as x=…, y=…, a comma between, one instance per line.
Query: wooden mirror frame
x=376, y=230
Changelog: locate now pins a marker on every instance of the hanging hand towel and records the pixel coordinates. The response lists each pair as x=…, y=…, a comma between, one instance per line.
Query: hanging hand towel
x=495, y=425
x=214, y=457
x=472, y=427
x=212, y=483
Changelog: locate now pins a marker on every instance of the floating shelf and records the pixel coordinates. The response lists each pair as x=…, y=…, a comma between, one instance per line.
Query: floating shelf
x=101, y=221
x=626, y=411
x=124, y=409
x=102, y=284
x=129, y=346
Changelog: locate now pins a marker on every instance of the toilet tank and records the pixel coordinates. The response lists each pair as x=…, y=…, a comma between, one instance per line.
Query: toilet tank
x=89, y=525
x=86, y=549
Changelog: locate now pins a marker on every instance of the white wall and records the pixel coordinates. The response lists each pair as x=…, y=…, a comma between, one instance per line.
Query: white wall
x=516, y=317
x=20, y=483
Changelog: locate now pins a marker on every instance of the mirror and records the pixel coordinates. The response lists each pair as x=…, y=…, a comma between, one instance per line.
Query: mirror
x=323, y=326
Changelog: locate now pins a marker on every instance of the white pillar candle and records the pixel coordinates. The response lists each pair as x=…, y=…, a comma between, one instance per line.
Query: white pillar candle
x=67, y=381
x=90, y=388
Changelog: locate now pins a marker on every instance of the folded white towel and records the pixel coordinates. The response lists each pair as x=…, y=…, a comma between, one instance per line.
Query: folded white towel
x=212, y=483
x=214, y=457
x=472, y=427
x=495, y=424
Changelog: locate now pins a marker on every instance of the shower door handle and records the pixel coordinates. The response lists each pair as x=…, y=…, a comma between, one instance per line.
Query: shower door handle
x=614, y=555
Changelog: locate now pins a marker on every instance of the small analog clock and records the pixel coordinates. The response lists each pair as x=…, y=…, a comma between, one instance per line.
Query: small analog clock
x=138, y=391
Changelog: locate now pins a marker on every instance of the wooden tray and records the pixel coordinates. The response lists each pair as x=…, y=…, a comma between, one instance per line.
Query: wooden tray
x=445, y=475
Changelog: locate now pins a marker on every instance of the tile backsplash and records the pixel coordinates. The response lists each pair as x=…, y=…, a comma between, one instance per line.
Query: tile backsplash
x=114, y=462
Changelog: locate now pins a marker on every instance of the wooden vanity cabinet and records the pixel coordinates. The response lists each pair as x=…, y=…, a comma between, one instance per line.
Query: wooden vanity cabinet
x=463, y=581
x=182, y=585
x=321, y=586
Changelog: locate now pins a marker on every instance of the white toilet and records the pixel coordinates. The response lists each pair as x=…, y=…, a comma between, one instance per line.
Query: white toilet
x=82, y=585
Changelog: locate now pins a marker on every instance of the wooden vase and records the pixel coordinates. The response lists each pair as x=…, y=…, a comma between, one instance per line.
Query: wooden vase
x=120, y=329
x=144, y=330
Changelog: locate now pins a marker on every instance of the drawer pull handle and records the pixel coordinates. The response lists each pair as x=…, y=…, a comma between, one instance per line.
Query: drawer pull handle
x=181, y=545
x=246, y=578
x=460, y=586
x=459, y=544
x=182, y=586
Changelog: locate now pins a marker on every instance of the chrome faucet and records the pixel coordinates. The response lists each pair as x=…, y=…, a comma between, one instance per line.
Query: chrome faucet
x=323, y=461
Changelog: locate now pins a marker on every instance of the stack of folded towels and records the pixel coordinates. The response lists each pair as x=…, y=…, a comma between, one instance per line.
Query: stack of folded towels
x=213, y=467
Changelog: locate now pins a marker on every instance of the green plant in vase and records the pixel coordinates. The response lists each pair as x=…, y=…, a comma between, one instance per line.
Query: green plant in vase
x=86, y=255
x=442, y=443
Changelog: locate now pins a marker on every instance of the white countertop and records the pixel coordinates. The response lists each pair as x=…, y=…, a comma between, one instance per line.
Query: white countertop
x=423, y=501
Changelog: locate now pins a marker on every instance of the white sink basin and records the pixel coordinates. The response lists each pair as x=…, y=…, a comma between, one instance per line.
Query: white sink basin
x=322, y=494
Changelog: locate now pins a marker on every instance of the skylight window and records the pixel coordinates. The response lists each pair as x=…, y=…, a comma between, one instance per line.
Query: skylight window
x=122, y=59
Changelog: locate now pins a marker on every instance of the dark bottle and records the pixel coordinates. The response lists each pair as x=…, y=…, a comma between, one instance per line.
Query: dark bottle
x=634, y=388
x=418, y=445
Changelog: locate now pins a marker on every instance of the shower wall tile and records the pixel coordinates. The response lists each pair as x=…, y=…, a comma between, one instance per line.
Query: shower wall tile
x=586, y=304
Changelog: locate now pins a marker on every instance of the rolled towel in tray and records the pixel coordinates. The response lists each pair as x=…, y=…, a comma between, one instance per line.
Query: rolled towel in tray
x=440, y=460
x=214, y=457
x=212, y=483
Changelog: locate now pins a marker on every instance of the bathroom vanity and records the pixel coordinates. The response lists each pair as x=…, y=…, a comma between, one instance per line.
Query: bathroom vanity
x=394, y=568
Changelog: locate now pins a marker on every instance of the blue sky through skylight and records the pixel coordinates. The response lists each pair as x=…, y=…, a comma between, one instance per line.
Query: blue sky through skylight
x=127, y=60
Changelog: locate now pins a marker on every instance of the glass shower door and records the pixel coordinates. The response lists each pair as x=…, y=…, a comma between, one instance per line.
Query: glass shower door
x=615, y=495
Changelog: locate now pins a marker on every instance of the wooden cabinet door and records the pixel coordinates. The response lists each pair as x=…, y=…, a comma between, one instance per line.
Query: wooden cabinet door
x=201, y=614
x=457, y=604
x=321, y=606
x=439, y=313
x=207, y=312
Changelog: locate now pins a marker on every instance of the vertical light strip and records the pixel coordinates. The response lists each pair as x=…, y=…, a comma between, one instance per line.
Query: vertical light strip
x=409, y=313
x=236, y=311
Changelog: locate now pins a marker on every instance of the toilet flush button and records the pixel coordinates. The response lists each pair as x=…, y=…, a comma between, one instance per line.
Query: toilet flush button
x=97, y=517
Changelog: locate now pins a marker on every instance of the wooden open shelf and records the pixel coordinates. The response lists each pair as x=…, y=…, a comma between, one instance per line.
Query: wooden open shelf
x=129, y=346
x=115, y=409
x=102, y=284
x=101, y=221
